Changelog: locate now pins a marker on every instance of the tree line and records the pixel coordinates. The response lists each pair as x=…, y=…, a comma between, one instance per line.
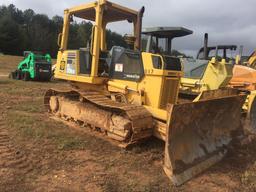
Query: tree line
x=28, y=31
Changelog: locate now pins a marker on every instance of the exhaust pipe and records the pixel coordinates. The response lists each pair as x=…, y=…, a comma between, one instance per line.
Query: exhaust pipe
x=239, y=56
x=241, y=49
x=206, y=46
x=139, y=28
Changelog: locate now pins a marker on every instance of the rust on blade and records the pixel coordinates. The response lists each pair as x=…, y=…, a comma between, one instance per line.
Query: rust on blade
x=198, y=133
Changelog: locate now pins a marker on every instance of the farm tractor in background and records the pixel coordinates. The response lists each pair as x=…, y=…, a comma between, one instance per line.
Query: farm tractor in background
x=34, y=66
x=131, y=95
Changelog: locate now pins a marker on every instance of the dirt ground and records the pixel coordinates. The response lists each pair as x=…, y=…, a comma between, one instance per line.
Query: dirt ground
x=38, y=153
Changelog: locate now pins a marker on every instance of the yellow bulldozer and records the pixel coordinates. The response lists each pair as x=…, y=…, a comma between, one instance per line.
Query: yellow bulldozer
x=239, y=73
x=130, y=95
x=211, y=70
x=244, y=78
x=217, y=67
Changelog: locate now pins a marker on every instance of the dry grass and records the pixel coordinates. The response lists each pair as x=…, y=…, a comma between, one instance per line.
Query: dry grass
x=9, y=63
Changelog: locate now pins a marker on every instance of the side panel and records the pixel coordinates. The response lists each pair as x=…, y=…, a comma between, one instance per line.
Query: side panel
x=161, y=86
x=68, y=68
x=155, y=89
x=67, y=64
x=169, y=93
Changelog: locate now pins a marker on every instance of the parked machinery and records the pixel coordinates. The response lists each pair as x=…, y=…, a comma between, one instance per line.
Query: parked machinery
x=244, y=78
x=252, y=60
x=249, y=61
x=132, y=95
x=241, y=76
x=208, y=72
x=34, y=66
x=211, y=70
x=227, y=71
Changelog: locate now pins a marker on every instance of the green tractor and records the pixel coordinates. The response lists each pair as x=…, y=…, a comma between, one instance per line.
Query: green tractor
x=34, y=66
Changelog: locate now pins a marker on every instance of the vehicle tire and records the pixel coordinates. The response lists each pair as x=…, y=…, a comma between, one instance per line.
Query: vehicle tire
x=18, y=74
x=26, y=76
x=12, y=75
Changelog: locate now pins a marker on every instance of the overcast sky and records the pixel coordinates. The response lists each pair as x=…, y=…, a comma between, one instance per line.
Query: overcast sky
x=226, y=21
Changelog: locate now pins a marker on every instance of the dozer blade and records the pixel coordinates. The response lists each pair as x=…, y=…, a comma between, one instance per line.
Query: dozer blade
x=198, y=134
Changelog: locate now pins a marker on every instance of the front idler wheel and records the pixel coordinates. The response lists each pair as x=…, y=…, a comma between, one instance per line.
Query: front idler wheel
x=54, y=104
x=19, y=75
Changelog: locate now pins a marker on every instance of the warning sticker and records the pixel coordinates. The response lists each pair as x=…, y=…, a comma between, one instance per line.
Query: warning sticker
x=71, y=67
x=119, y=67
x=62, y=65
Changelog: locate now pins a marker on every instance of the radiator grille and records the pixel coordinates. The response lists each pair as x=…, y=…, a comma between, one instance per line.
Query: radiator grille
x=169, y=91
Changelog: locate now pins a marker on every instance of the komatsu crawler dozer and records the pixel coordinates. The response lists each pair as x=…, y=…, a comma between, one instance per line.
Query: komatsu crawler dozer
x=244, y=78
x=131, y=95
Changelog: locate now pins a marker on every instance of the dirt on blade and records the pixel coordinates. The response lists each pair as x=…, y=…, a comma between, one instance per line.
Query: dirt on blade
x=38, y=153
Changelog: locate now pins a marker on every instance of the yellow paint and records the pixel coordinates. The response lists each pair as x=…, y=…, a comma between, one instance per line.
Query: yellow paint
x=248, y=102
x=244, y=79
x=158, y=86
x=153, y=86
x=252, y=60
x=98, y=41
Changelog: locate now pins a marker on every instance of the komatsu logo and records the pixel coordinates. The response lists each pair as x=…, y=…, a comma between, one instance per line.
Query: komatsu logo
x=132, y=76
